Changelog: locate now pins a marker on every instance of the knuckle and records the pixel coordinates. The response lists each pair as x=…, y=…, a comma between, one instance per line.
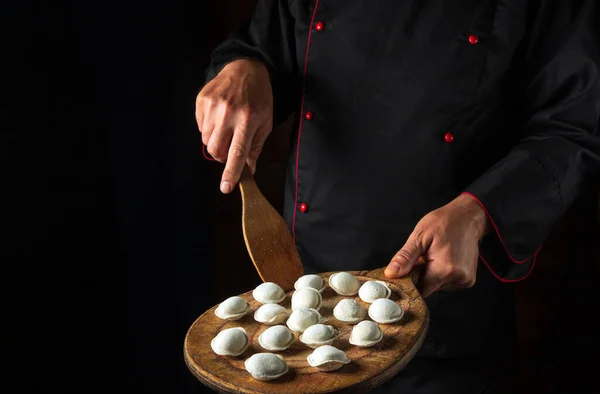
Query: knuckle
x=237, y=151
x=419, y=230
x=460, y=274
x=211, y=149
x=257, y=147
x=204, y=97
x=255, y=151
x=447, y=272
x=243, y=133
x=229, y=175
x=403, y=254
x=229, y=102
x=199, y=98
x=470, y=283
x=246, y=112
x=215, y=152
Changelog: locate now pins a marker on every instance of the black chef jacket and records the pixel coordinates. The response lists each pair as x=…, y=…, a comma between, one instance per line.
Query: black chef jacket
x=402, y=105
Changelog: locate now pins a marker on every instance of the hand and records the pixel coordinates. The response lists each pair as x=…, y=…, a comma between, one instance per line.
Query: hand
x=234, y=112
x=447, y=241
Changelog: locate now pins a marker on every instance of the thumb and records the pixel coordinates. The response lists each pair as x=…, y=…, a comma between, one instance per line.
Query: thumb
x=406, y=258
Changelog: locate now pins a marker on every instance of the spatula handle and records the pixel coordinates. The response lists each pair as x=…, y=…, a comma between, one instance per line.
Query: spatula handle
x=247, y=183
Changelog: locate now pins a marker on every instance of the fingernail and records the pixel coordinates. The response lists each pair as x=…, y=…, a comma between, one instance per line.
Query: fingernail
x=225, y=187
x=394, y=267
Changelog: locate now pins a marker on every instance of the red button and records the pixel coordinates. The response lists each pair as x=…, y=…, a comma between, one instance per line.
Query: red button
x=308, y=116
x=303, y=207
x=319, y=26
x=473, y=39
x=449, y=137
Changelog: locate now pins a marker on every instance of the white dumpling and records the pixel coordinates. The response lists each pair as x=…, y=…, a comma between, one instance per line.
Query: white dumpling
x=327, y=358
x=276, y=338
x=301, y=319
x=306, y=297
x=365, y=334
x=230, y=342
x=373, y=290
x=311, y=280
x=268, y=293
x=233, y=308
x=349, y=311
x=344, y=283
x=318, y=335
x=385, y=311
x=266, y=366
x=271, y=314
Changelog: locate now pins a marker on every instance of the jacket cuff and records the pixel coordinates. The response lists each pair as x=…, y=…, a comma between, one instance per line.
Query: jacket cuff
x=522, y=201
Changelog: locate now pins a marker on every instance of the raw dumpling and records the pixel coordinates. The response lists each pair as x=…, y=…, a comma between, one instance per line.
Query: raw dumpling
x=349, y=311
x=266, y=366
x=327, y=358
x=276, y=338
x=373, y=290
x=230, y=342
x=268, y=293
x=271, y=314
x=365, y=334
x=385, y=311
x=318, y=335
x=306, y=297
x=232, y=308
x=344, y=283
x=310, y=280
x=301, y=319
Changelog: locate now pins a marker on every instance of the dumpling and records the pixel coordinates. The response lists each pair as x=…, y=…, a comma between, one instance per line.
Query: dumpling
x=230, y=342
x=268, y=293
x=373, y=290
x=233, y=308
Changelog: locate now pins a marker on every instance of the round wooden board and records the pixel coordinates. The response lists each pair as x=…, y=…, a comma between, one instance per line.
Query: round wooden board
x=369, y=367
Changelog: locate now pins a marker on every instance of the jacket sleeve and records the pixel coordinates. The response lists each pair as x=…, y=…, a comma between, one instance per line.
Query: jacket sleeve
x=526, y=192
x=268, y=37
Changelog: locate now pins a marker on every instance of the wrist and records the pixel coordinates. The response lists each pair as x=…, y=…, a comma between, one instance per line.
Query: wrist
x=479, y=219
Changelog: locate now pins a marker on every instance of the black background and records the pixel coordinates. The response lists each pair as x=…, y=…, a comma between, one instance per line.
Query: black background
x=107, y=246
x=109, y=242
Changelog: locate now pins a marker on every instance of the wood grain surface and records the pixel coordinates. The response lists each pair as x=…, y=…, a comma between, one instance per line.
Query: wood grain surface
x=267, y=237
x=369, y=368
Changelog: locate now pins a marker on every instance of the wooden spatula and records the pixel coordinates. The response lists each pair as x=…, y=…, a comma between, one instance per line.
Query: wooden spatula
x=267, y=236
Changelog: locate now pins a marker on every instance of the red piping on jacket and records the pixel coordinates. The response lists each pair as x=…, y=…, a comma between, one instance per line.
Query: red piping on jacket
x=206, y=156
x=534, y=255
x=312, y=20
x=510, y=280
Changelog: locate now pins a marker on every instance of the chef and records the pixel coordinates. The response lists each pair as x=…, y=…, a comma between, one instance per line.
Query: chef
x=452, y=134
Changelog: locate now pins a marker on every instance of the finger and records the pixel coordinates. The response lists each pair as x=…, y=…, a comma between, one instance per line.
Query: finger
x=257, y=144
x=205, y=118
x=236, y=159
x=405, y=259
x=221, y=134
x=199, y=111
x=433, y=278
x=205, y=126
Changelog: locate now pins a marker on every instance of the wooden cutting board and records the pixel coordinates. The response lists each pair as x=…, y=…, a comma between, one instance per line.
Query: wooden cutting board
x=370, y=367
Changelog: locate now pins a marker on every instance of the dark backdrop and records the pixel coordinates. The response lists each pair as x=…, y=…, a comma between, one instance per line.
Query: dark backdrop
x=107, y=252
x=115, y=237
